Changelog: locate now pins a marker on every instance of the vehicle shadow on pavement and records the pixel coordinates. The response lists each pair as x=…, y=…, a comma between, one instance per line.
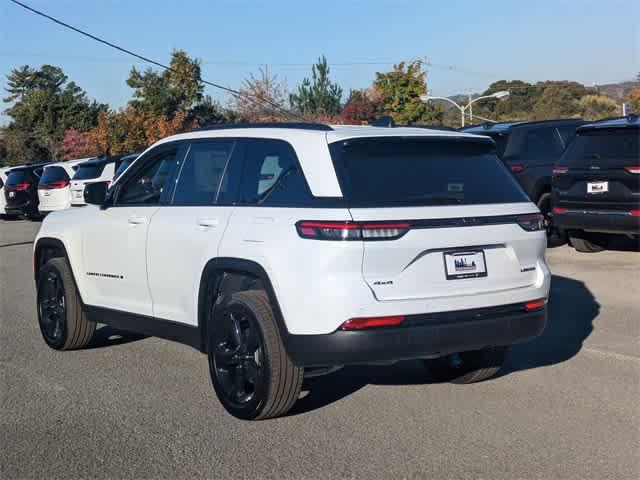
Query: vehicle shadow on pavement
x=572, y=309
x=107, y=336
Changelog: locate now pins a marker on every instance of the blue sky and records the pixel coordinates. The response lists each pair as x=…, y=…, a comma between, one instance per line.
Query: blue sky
x=470, y=43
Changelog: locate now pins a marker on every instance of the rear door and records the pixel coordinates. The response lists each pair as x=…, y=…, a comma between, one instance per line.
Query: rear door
x=455, y=210
x=601, y=170
x=53, y=188
x=185, y=233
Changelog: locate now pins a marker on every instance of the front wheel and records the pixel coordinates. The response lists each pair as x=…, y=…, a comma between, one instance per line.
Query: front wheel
x=252, y=374
x=467, y=367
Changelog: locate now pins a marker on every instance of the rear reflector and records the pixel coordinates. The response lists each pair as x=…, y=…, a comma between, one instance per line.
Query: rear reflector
x=531, y=223
x=321, y=230
x=372, y=322
x=535, y=305
x=516, y=168
x=559, y=210
x=633, y=169
x=559, y=169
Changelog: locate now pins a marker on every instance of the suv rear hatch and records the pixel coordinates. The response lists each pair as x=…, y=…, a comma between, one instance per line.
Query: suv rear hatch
x=600, y=171
x=440, y=217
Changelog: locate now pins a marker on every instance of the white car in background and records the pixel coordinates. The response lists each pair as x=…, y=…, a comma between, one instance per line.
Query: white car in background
x=92, y=171
x=54, y=191
x=3, y=179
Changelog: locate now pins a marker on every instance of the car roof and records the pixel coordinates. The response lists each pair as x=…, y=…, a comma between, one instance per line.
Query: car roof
x=501, y=127
x=99, y=161
x=631, y=121
x=68, y=163
x=30, y=166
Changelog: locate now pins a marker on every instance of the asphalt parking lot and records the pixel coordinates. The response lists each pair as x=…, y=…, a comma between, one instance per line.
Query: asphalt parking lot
x=566, y=405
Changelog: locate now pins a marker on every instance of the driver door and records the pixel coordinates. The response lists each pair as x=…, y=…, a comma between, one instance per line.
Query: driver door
x=114, y=246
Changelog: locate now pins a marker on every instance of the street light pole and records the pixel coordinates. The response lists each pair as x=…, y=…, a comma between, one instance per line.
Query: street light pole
x=502, y=94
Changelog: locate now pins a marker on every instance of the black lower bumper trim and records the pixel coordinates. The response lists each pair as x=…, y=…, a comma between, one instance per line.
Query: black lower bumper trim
x=419, y=341
x=598, y=221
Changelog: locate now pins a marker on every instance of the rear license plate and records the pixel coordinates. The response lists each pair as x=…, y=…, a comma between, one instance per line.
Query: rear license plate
x=77, y=194
x=12, y=194
x=469, y=264
x=597, y=187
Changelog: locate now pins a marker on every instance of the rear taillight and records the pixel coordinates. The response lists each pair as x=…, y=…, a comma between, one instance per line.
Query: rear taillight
x=53, y=185
x=18, y=187
x=531, y=223
x=559, y=210
x=633, y=169
x=559, y=169
x=372, y=322
x=534, y=305
x=320, y=230
x=634, y=213
x=516, y=167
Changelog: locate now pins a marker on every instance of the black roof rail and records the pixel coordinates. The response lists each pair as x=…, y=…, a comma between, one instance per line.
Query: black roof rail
x=293, y=125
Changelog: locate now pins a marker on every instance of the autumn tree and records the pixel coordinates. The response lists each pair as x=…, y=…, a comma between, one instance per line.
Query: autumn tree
x=401, y=89
x=362, y=106
x=258, y=95
x=78, y=144
x=634, y=99
x=317, y=96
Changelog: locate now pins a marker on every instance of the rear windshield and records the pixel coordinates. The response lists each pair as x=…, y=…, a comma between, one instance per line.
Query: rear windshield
x=604, y=148
x=19, y=176
x=53, y=174
x=394, y=172
x=88, y=172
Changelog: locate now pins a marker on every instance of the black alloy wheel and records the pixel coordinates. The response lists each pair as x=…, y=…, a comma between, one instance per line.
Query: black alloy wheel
x=52, y=309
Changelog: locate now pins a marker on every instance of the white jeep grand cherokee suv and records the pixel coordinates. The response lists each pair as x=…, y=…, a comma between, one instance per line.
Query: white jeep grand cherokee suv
x=287, y=249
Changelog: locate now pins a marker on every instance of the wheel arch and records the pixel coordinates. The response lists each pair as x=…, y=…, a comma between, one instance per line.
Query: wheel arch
x=45, y=249
x=223, y=276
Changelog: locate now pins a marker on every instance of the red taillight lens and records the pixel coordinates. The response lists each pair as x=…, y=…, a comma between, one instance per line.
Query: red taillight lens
x=534, y=305
x=558, y=169
x=18, y=187
x=531, y=223
x=635, y=213
x=321, y=230
x=559, y=210
x=633, y=169
x=54, y=185
x=516, y=168
x=372, y=322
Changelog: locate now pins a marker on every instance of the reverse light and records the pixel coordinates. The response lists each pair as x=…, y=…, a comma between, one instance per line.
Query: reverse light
x=560, y=169
x=534, y=305
x=372, y=322
x=516, y=168
x=531, y=223
x=633, y=169
x=321, y=230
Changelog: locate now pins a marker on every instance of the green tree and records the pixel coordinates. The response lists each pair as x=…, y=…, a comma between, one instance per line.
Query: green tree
x=317, y=96
x=401, y=89
x=43, y=104
x=596, y=107
x=177, y=89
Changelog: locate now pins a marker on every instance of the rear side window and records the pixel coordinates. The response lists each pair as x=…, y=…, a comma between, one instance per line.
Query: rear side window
x=542, y=143
x=401, y=172
x=615, y=147
x=201, y=173
x=89, y=172
x=272, y=175
x=53, y=174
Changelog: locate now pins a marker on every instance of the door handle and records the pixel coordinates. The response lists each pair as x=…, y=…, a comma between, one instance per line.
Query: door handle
x=208, y=222
x=135, y=220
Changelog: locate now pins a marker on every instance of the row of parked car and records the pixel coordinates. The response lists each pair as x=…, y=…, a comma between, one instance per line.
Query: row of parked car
x=34, y=190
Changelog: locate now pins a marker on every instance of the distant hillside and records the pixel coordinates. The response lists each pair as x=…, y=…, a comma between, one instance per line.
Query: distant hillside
x=617, y=91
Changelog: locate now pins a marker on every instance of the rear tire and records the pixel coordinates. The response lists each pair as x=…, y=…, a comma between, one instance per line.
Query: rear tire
x=252, y=374
x=555, y=236
x=467, y=367
x=588, y=243
x=63, y=324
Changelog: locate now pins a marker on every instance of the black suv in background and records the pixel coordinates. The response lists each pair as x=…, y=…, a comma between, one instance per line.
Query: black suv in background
x=596, y=184
x=529, y=150
x=21, y=190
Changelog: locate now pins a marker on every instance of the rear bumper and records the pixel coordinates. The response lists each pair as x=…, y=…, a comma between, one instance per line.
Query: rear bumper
x=423, y=336
x=606, y=221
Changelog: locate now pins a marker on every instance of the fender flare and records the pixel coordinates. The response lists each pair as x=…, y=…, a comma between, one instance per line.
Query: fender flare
x=211, y=272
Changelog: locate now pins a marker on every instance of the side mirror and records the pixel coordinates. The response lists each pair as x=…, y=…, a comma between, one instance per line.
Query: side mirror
x=95, y=193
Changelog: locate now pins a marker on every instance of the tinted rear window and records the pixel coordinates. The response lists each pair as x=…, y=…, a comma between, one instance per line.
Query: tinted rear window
x=87, y=172
x=606, y=148
x=53, y=174
x=395, y=172
x=17, y=177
